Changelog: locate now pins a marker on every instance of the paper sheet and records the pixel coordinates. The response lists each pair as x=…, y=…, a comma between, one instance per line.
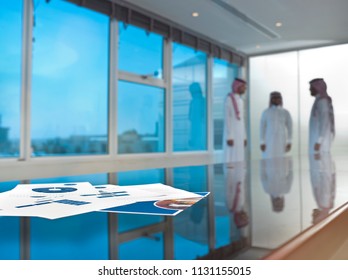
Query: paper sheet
x=59, y=200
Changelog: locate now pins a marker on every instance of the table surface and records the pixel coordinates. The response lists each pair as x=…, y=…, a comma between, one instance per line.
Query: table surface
x=253, y=208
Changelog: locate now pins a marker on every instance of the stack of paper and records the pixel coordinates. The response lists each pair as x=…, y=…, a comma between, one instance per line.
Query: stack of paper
x=55, y=200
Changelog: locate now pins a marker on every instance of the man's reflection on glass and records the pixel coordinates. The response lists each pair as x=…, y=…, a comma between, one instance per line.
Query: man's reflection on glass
x=235, y=178
x=197, y=117
x=276, y=178
x=323, y=180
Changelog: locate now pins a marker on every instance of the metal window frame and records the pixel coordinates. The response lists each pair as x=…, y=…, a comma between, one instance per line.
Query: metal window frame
x=27, y=167
x=137, y=16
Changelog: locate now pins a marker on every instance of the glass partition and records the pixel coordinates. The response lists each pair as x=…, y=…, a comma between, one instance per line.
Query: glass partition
x=290, y=74
x=330, y=64
x=278, y=72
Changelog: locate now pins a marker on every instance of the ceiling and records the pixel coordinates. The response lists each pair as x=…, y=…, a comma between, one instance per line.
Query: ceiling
x=249, y=25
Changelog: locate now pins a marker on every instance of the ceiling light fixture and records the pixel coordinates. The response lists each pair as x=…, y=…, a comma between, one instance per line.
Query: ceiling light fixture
x=195, y=14
x=278, y=24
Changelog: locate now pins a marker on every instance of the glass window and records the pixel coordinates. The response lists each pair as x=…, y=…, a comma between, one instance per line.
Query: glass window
x=140, y=119
x=10, y=75
x=140, y=52
x=70, y=80
x=189, y=99
x=223, y=76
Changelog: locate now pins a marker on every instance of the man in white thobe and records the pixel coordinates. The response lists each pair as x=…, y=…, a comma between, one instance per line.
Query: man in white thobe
x=322, y=122
x=235, y=193
x=275, y=128
x=276, y=178
x=234, y=129
x=323, y=180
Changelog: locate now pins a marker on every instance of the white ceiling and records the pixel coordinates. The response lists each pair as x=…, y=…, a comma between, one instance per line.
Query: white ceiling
x=249, y=25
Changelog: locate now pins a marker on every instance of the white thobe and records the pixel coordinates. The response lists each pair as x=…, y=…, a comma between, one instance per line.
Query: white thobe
x=276, y=175
x=320, y=126
x=234, y=129
x=235, y=186
x=323, y=179
x=235, y=180
x=275, y=131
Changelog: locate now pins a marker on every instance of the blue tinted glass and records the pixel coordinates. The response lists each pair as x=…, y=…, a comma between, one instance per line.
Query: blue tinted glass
x=140, y=119
x=223, y=217
x=81, y=237
x=10, y=56
x=70, y=80
x=191, y=226
x=191, y=231
x=189, y=99
x=151, y=248
x=228, y=203
x=9, y=230
x=138, y=177
x=71, y=238
x=191, y=178
x=140, y=52
x=188, y=249
x=223, y=76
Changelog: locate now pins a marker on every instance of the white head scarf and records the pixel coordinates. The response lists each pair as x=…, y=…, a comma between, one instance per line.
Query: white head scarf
x=321, y=88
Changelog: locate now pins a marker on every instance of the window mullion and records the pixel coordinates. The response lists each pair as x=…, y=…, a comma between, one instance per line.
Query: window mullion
x=25, y=139
x=112, y=91
x=209, y=121
x=167, y=66
x=139, y=79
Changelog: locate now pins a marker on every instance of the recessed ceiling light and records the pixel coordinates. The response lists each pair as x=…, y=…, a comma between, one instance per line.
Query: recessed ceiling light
x=195, y=14
x=278, y=24
x=258, y=46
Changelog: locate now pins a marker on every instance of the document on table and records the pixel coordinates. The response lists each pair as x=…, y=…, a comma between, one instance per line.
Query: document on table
x=58, y=200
